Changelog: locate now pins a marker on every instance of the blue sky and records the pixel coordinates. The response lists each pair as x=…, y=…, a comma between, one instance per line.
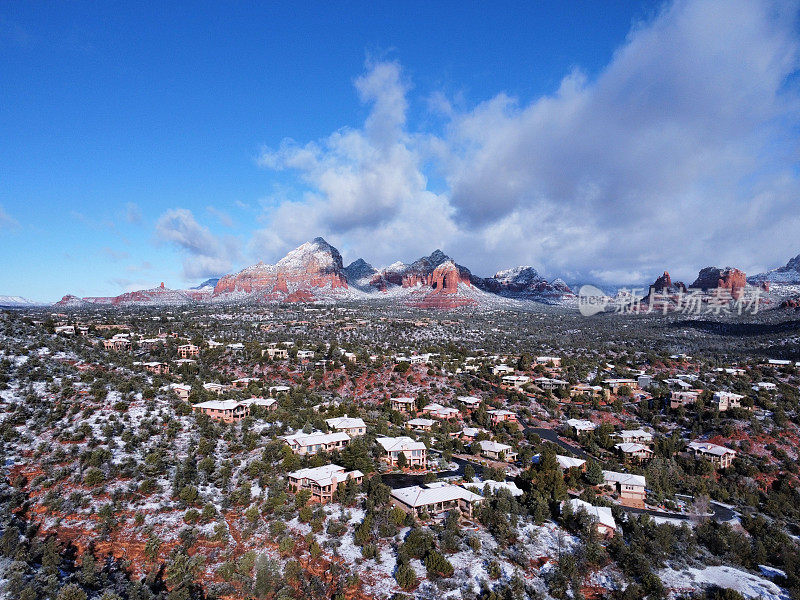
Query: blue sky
x=167, y=143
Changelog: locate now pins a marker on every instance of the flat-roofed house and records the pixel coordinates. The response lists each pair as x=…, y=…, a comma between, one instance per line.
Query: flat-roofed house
x=516, y=381
x=725, y=400
x=181, y=390
x=615, y=384
x=502, y=370
x=435, y=499
x=547, y=383
x=216, y=388
x=591, y=391
x=719, y=456
x=416, y=453
x=441, y=412
x=228, y=411
x=470, y=402
x=265, y=403
x=352, y=426
x=682, y=398
x=157, y=368
x=630, y=488
x=555, y=361
x=403, y=404
x=322, y=481
x=310, y=443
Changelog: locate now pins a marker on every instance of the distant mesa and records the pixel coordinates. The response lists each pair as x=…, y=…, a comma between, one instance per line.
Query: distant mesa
x=711, y=278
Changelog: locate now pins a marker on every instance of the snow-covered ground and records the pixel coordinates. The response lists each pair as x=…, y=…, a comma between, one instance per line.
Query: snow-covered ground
x=747, y=584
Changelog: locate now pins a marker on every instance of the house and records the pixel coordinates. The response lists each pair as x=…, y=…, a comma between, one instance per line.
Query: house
x=495, y=486
x=553, y=361
x=682, y=398
x=352, y=426
x=416, y=453
x=546, y=383
x=581, y=426
x=441, y=412
x=434, y=499
x=591, y=391
x=565, y=462
x=228, y=411
x=601, y=515
x=243, y=382
x=501, y=415
x=629, y=487
x=615, y=384
x=274, y=390
x=181, y=390
x=502, y=370
x=421, y=424
x=306, y=444
x=65, y=329
x=765, y=385
x=723, y=401
x=157, y=368
x=635, y=436
x=265, y=403
x=235, y=348
x=216, y=388
x=497, y=451
x=468, y=434
x=644, y=381
x=634, y=451
x=719, y=456
x=305, y=354
x=322, y=481
x=117, y=343
x=276, y=353
x=403, y=405
x=516, y=381
x=150, y=343
x=188, y=350
x=470, y=402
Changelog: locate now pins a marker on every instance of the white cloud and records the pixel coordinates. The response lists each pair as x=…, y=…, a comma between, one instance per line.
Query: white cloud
x=679, y=153
x=6, y=220
x=207, y=254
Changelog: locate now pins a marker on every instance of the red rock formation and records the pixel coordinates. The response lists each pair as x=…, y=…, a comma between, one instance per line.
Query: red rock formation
x=728, y=278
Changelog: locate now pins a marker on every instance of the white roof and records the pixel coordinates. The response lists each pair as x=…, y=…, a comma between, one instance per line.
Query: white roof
x=395, y=444
x=416, y=496
x=473, y=431
x=469, y=400
x=325, y=474
x=602, y=514
x=581, y=424
x=404, y=399
x=180, y=386
x=500, y=412
x=260, y=401
x=624, y=478
x=631, y=447
x=421, y=422
x=345, y=422
x=709, y=448
x=218, y=404
x=489, y=446
x=433, y=406
x=311, y=439
x=499, y=485
x=567, y=462
x=634, y=433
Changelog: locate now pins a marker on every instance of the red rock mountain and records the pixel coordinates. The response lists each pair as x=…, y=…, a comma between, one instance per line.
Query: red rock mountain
x=711, y=278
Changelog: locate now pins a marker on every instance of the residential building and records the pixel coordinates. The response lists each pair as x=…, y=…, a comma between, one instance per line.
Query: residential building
x=634, y=436
x=502, y=370
x=630, y=488
x=310, y=443
x=420, y=424
x=581, y=426
x=441, y=412
x=553, y=361
x=497, y=451
x=501, y=415
x=615, y=384
x=216, y=388
x=634, y=451
x=228, y=411
x=188, y=350
x=157, y=368
x=470, y=402
x=723, y=401
x=546, y=383
x=352, y=426
x=682, y=398
x=181, y=390
x=403, y=405
x=322, y=481
x=601, y=515
x=719, y=456
x=516, y=381
x=416, y=453
x=435, y=499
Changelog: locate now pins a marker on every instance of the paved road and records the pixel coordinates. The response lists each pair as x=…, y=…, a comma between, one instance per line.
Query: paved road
x=552, y=436
x=399, y=480
x=719, y=513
